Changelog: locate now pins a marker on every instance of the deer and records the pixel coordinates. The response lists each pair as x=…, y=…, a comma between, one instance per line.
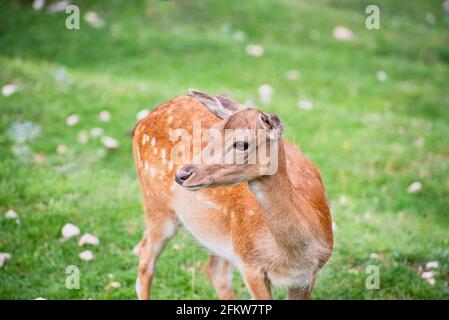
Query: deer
x=274, y=226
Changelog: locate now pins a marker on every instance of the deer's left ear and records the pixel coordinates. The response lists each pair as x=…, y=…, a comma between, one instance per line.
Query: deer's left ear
x=272, y=123
x=220, y=106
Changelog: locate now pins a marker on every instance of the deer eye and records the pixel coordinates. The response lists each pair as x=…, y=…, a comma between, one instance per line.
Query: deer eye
x=241, y=145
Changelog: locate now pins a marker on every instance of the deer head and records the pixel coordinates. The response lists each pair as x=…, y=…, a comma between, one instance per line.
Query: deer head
x=241, y=147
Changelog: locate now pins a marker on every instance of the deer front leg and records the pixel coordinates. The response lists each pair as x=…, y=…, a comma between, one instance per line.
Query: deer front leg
x=299, y=293
x=219, y=271
x=257, y=283
x=153, y=243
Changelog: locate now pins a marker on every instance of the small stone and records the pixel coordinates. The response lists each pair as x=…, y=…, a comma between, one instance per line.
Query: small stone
x=70, y=230
x=59, y=6
x=93, y=19
x=61, y=149
x=96, y=132
x=86, y=255
x=104, y=116
x=72, y=120
x=83, y=137
x=11, y=214
x=432, y=265
x=176, y=247
x=254, y=50
x=114, y=285
x=4, y=257
x=88, y=238
x=427, y=275
x=9, y=89
x=239, y=36
x=415, y=187
x=110, y=143
x=305, y=105
x=292, y=75
x=265, y=92
x=343, y=33
x=38, y=4
x=142, y=114
x=374, y=256
x=381, y=75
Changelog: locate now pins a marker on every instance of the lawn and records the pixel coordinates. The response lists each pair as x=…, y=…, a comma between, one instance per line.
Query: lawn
x=372, y=112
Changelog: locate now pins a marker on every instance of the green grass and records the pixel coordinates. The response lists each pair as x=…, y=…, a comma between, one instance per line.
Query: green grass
x=361, y=133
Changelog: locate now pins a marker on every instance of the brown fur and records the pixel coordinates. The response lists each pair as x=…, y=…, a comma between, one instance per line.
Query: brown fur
x=277, y=239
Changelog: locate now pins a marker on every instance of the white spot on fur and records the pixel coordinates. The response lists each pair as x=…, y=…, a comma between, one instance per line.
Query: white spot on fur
x=164, y=156
x=145, y=139
x=155, y=151
x=153, y=141
x=170, y=166
x=153, y=172
x=170, y=119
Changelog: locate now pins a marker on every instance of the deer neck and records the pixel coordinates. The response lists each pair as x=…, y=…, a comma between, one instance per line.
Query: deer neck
x=279, y=205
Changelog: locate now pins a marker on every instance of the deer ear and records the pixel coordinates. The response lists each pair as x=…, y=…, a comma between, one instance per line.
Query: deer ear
x=272, y=123
x=220, y=106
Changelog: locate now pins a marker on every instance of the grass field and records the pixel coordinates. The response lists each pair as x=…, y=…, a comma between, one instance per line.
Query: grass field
x=379, y=122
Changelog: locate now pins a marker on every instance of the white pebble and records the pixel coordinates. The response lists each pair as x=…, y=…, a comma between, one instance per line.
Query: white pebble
x=265, y=92
x=88, y=238
x=374, y=256
x=96, y=132
x=427, y=275
x=254, y=50
x=381, y=75
x=61, y=149
x=83, y=137
x=432, y=265
x=3, y=258
x=59, y=6
x=11, y=214
x=446, y=6
x=9, y=89
x=113, y=284
x=239, y=36
x=38, y=4
x=86, y=255
x=72, y=120
x=343, y=33
x=292, y=75
x=415, y=187
x=109, y=143
x=94, y=19
x=305, y=105
x=142, y=114
x=69, y=231
x=104, y=116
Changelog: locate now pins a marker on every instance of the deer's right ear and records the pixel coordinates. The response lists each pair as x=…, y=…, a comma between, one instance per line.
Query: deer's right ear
x=272, y=123
x=220, y=106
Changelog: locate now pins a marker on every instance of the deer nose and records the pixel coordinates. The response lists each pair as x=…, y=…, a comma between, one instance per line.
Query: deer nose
x=183, y=174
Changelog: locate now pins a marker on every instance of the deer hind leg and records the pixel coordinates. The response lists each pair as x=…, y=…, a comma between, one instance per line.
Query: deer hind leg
x=257, y=283
x=219, y=271
x=159, y=231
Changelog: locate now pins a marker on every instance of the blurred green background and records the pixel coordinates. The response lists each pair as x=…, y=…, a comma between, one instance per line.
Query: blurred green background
x=369, y=107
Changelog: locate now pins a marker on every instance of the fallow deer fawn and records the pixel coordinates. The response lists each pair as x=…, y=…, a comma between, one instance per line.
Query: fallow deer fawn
x=275, y=227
